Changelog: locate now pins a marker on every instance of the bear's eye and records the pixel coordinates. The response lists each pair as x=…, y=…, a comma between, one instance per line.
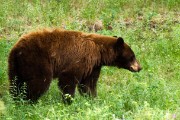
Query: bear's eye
x=132, y=58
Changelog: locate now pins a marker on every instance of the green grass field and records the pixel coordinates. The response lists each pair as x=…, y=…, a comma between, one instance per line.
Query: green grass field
x=150, y=27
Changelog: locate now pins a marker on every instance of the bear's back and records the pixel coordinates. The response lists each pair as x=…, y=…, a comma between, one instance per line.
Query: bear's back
x=67, y=50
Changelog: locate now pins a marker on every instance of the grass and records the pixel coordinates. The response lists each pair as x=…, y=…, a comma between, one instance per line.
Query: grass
x=150, y=27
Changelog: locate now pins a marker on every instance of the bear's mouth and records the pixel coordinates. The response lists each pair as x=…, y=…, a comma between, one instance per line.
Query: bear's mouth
x=134, y=70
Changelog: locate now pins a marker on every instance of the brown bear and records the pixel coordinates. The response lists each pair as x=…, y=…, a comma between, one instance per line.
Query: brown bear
x=75, y=58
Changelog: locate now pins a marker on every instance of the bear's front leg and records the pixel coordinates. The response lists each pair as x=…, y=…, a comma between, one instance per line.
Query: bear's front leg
x=67, y=85
x=87, y=86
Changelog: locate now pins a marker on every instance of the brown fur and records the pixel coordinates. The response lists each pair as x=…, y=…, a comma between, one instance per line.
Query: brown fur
x=75, y=58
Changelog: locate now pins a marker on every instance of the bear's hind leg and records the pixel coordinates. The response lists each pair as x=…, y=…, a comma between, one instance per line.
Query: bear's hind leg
x=37, y=79
x=36, y=87
x=32, y=67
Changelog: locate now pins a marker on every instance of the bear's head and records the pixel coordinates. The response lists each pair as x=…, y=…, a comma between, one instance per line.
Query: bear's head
x=125, y=56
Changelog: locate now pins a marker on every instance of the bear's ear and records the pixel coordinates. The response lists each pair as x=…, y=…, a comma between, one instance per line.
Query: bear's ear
x=115, y=36
x=120, y=41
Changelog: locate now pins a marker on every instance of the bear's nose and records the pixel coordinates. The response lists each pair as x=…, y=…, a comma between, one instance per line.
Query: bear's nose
x=140, y=68
x=135, y=67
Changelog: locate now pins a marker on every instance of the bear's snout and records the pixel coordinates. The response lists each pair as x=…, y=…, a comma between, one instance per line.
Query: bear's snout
x=135, y=67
